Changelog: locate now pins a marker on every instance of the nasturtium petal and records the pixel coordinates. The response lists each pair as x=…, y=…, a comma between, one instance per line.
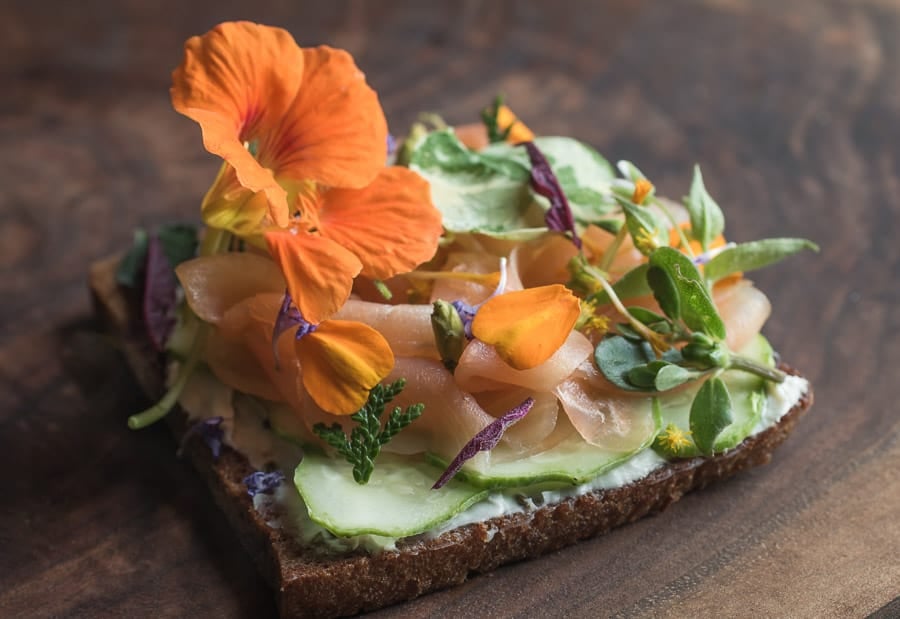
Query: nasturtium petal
x=213, y=284
x=341, y=361
x=527, y=326
x=319, y=272
x=228, y=205
x=335, y=131
x=236, y=82
x=239, y=351
x=390, y=225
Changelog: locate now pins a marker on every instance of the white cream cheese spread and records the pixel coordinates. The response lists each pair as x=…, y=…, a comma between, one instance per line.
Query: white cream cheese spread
x=284, y=509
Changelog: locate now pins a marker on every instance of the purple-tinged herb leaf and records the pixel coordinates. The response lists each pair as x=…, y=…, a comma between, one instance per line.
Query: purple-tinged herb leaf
x=210, y=430
x=391, y=144
x=485, y=440
x=261, y=482
x=545, y=183
x=159, y=295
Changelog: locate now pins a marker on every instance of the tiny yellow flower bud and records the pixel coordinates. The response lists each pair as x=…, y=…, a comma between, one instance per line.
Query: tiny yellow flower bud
x=674, y=440
x=646, y=241
x=589, y=322
x=642, y=188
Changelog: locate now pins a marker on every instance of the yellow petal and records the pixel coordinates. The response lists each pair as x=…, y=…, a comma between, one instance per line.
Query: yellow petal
x=518, y=131
x=527, y=326
x=228, y=205
x=341, y=361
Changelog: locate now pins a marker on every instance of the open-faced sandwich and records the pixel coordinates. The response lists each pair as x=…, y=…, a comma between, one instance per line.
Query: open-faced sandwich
x=401, y=364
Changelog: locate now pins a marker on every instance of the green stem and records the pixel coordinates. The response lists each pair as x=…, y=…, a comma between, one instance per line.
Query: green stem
x=610, y=254
x=168, y=401
x=653, y=338
x=215, y=241
x=681, y=235
x=748, y=365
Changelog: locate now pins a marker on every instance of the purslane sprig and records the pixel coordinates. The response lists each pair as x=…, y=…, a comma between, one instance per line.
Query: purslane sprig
x=366, y=439
x=655, y=353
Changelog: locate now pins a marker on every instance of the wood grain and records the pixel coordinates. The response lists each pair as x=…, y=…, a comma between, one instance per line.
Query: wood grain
x=791, y=107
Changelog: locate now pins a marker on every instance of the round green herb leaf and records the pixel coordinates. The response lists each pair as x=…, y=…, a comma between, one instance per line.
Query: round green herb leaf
x=696, y=306
x=616, y=357
x=711, y=412
x=665, y=291
x=672, y=376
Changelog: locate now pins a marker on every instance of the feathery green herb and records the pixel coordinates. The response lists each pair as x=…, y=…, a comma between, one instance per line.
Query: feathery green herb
x=366, y=439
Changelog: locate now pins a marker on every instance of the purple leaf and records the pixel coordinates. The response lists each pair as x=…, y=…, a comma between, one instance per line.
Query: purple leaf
x=485, y=440
x=210, y=430
x=159, y=294
x=544, y=182
x=260, y=482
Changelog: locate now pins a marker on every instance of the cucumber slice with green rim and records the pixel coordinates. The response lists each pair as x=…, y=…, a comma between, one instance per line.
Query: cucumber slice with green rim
x=397, y=502
x=748, y=397
x=571, y=462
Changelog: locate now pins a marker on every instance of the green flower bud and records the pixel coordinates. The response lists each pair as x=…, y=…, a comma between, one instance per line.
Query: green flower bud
x=706, y=352
x=582, y=282
x=449, y=333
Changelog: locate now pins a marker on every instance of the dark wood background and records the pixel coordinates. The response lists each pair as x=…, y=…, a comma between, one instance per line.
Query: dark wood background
x=791, y=107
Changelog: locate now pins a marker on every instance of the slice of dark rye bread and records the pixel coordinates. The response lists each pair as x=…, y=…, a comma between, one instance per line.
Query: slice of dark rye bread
x=309, y=583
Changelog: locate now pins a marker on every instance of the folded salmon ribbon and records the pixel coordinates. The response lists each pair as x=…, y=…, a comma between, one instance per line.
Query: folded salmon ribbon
x=303, y=142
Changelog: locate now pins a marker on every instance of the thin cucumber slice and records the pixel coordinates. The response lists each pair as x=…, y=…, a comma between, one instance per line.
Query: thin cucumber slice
x=572, y=461
x=397, y=502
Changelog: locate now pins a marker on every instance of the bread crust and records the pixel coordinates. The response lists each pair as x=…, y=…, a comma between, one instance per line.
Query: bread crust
x=312, y=584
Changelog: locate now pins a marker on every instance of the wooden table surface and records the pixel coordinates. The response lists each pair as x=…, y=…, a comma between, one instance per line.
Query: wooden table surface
x=791, y=107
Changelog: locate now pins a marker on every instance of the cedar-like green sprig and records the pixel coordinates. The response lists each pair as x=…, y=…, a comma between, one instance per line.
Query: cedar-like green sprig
x=368, y=436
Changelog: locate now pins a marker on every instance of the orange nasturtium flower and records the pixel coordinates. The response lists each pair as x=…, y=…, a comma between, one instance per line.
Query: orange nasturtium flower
x=527, y=326
x=281, y=117
x=386, y=228
x=304, y=141
x=241, y=294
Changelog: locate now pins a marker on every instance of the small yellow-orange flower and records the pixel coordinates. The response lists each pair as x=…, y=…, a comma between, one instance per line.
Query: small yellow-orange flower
x=527, y=326
x=475, y=135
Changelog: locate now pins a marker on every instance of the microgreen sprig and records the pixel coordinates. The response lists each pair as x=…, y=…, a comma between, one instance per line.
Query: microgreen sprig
x=366, y=439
